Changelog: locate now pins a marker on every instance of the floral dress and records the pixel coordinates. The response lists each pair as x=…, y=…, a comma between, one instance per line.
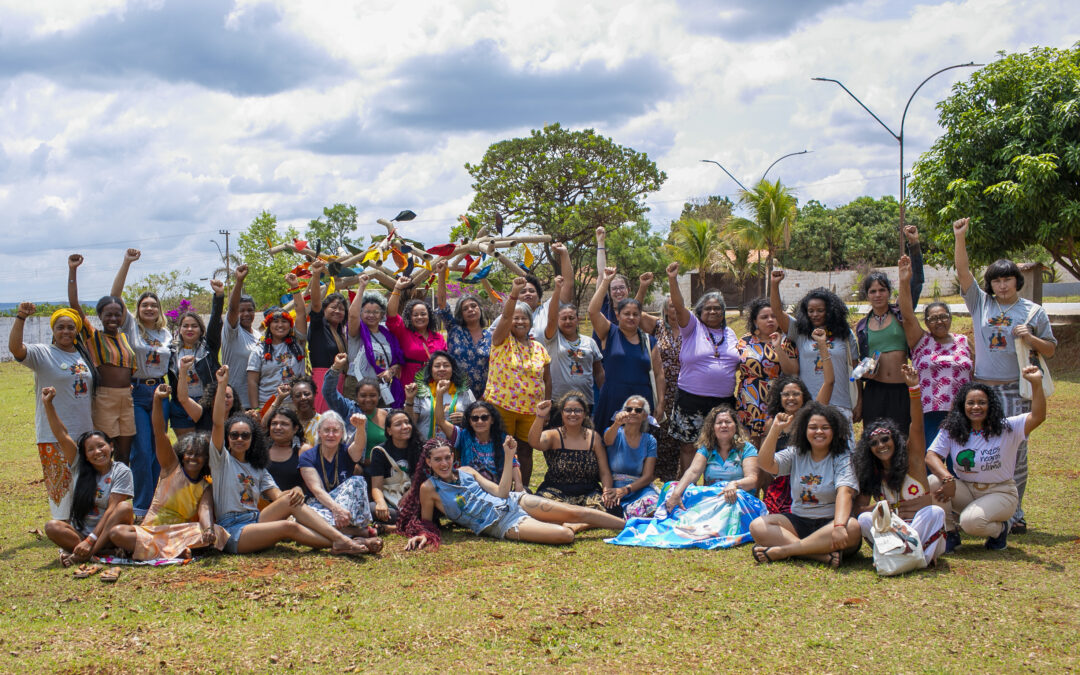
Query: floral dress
x=667, y=451
x=471, y=355
x=758, y=366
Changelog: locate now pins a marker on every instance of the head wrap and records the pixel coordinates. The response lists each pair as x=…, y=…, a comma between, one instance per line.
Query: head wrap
x=71, y=314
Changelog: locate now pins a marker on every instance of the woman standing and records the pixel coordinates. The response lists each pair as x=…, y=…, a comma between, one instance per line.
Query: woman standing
x=631, y=456
x=1007, y=328
x=668, y=346
x=66, y=370
x=281, y=357
x=414, y=330
x=578, y=470
x=327, y=334
x=709, y=360
x=763, y=355
x=373, y=349
x=286, y=443
x=201, y=343
x=519, y=375
x=575, y=358
x=239, y=339
x=441, y=367
x=630, y=366
x=469, y=341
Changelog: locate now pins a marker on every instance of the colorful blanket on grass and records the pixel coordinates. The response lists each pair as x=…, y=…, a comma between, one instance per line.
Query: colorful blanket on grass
x=113, y=560
x=705, y=520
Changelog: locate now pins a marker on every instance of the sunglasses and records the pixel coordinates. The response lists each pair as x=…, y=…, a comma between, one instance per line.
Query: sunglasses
x=480, y=418
x=632, y=409
x=573, y=411
x=880, y=440
x=239, y=435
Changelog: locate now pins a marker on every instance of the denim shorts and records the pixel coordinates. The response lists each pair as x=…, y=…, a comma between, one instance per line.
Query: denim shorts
x=234, y=523
x=509, y=520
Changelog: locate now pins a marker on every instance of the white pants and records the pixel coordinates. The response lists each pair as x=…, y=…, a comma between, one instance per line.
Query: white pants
x=929, y=520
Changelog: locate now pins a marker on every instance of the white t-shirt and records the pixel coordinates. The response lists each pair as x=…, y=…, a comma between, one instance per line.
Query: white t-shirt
x=152, y=348
x=814, y=484
x=69, y=374
x=984, y=459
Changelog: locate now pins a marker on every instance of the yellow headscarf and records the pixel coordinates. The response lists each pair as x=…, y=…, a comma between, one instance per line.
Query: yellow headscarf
x=71, y=314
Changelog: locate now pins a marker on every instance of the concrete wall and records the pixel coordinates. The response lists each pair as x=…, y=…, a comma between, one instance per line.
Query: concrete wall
x=797, y=283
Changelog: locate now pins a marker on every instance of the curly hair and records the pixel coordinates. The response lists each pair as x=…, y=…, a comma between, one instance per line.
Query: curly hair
x=410, y=521
x=406, y=314
x=458, y=376
x=498, y=428
x=957, y=424
x=207, y=401
x=869, y=470
x=840, y=428
x=200, y=443
x=304, y=379
x=707, y=438
x=776, y=388
x=257, y=455
x=752, y=310
x=836, y=314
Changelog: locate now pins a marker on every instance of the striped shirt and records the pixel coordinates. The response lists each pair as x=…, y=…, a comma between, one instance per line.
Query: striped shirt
x=108, y=350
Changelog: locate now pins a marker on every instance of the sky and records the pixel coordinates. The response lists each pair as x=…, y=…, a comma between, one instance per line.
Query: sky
x=155, y=124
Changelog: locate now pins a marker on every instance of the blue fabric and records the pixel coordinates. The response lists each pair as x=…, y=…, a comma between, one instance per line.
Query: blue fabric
x=470, y=505
x=707, y=521
x=234, y=523
x=626, y=373
x=627, y=464
x=143, y=459
x=718, y=469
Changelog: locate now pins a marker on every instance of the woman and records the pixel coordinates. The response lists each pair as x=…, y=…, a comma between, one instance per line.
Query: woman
x=469, y=341
x=820, y=526
x=519, y=375
x=668, y=346
x=821, y=308
x=198, y=343
x=763, y=355
x=532, y=294
x=112, y=410
x=281, y=356
x=943, y=359
x=181, y=517
x=373, y=350
x=286, y=443
x=789, y=394
x=891, y=467
x=201, y=411
x=470, y=500
x=709, y=360
x=62, y=367
x=619, y=289
x=575, y=358
x=414, y=330
x=238, y=460
x=392, y=465
x=630, y=366
x=338, y=494
x=101, y=497
x=239, y=338
x=984, y=445
x=327, y=334
x=368, y=397
x=631, y=458
x=577, y=467
x=1006, y=327
x=477, y=441
x=440, y=367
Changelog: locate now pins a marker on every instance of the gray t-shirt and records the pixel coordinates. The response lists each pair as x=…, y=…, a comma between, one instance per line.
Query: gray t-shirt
x=814, y=484
x=69, y=374
x=992, y=324
x=153, y=348
x=425, y=421
x=195, y=386
x=237, y=485
x=280, y=368
x=359, y=367
x=810, y=367
x=116, y=481
x=572, y=365
x=236, y=347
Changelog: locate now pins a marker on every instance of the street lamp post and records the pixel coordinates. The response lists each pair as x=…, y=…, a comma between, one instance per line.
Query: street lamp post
x=899, y=137
x=790, y=154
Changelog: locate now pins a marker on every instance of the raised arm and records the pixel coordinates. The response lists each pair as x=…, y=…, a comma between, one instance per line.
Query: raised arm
x=600, y=323
x=536, y=431
x=612, y=432
x=502, y=330
x=601, y=249
x=190, y=405
x=300, y=321
x=782, y=319
x=221, y=409
x=442, y=387
x=767, y=454
x=598, y=449
x=1038, y=399
x=661, y=381
x=63, y=438
x=400, y=286
x=566, y=269
x=130, y=256
x=553, y=310
x=789, y=365
x=916, y=440
x=163, y=448
x=912, y=330
x=357, y=305
x=821, y=341
x=316, y=268
x=682, y=315
x=233, y=315
x=358, y=446
x=15, y=337
x=648, y=321
x=960, y=256
x=441, y=273
x=911, y=233
x=74, y=260
x=213, y=327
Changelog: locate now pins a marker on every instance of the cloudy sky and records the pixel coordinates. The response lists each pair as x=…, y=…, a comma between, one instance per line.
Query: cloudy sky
x=155, y=124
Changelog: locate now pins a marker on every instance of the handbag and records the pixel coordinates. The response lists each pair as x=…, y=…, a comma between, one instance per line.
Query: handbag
x=1023, y=359
x=394, y=487
x=897, y=547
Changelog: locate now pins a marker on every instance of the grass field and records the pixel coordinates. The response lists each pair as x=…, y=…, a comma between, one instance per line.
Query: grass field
x=481, y=605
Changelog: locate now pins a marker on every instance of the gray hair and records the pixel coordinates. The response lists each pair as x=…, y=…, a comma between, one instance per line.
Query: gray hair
x=524, y=307
x=647, y=412
x=330, y=417
x=374, y=296
x=709, y=297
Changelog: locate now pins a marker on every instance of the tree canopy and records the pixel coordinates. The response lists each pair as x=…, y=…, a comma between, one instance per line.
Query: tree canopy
x=1009, y=158
x=334, y=231
x=266, y=273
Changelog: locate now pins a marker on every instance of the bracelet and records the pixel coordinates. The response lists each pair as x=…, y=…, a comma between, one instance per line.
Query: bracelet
x=948, y=479
x=600, y=248
x=839, y=524
x=92, y=537
x=915, y=388
x=293, y=290
x=20, y=316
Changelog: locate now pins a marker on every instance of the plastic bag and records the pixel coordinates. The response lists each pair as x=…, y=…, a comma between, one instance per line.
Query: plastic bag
x=897, y=548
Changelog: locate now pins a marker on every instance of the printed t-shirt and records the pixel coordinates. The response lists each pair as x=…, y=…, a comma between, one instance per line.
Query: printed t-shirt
x=812, y=372
x=237, y=485
x=814, y=484
x=116, y=480
x=572, y=364
x=280, y=368
x=992, y=324
x=237, y=346
x=984, y=459
x=69, y=374
x=152, y=348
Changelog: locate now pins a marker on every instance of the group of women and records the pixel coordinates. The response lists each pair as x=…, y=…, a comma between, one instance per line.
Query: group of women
x=399, y=424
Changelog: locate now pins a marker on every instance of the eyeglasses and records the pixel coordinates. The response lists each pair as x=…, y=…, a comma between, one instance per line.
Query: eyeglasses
x=879, y=440
x=480, y=418
x=573, y=411
x=940, y=318
x=239, y=435
x=632, y=409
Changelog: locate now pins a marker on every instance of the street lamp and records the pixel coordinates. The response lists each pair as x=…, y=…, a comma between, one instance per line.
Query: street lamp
x=790, y=154
x=899, y=137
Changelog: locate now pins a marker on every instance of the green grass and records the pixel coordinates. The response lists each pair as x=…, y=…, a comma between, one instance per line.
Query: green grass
x=483, y=605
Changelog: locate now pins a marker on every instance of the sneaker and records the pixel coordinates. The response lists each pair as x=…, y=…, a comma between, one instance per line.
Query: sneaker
x=952, y=541
x=1019, y=527
x=998, y=543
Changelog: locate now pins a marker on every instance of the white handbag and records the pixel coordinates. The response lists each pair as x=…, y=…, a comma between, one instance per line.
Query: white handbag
x=1023, y=356
x=897, y=548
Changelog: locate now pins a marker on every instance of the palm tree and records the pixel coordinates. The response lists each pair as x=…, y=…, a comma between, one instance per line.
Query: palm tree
x=694, y=244
x=774, y=208
x=733, y=257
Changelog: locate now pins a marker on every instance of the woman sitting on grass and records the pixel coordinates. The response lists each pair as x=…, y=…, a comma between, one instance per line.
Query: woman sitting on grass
x=477, y=441
x=820, y=526
x=337, y=493
x=392, y=465
x=102, y=494
x=577, y=465
x=453, y=400
x=631, y=456
x=181, y=515
x=238, y=459
x=201, y=411
x=470, y=500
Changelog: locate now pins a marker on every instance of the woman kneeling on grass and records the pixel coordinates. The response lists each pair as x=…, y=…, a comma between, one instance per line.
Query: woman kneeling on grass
x=820, y=526
x=470, y=500
x=181, y=515
x=100, y=499
x=238, y=459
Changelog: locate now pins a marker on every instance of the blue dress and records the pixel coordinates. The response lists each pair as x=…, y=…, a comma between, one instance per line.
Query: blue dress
x=627, y=464
x=626, y=373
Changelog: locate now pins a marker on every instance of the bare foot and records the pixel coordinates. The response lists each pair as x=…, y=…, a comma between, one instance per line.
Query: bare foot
x=348, y=547
x=373, y=544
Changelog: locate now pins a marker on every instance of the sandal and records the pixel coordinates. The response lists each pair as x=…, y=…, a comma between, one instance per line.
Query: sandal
x=110, y=575
x=761, y=554
x=835, y=558
x=86, y=570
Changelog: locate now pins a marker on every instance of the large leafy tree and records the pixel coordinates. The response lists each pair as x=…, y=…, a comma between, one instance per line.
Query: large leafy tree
x=565, y=184
x=774, y=209
x=635, y=249
x=266, y=273
x=1009, y=158
x=333, y=227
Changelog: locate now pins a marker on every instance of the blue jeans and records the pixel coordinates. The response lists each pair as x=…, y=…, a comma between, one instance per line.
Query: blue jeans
x=143, y=461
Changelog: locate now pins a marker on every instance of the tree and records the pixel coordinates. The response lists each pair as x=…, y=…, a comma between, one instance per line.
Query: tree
x=635, y=249
x=170, y=287
x=775, y=209
x=694, y=243
x=1009, y=158
x=715, y=208
x=266, y=273
x=565, y=184
x=334, y=231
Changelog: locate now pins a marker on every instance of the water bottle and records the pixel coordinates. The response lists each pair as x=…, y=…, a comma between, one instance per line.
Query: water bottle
x=868, y=366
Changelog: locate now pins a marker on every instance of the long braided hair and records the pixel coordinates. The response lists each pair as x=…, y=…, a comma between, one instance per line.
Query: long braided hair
x=410, y=522
x=290, y=340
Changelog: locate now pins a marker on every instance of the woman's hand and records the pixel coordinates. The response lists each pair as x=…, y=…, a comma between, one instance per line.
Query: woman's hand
x=960, y=227
x=730, y=492
x=777, y=341
x=442, y=387
x=621, y=417
x=131, y=255
x=440, y=267
x=293, y=281
x=403, y=283
x=558, y=248
x=162, y=392
x=517, y=286
x=911, y=376
x=26, y=309
x=601, y=236
x=611, y=497
x=74, y=260
x=673, y=270
x=509, y=448
x=911, y=233
x=296, y=496
x=386, y=376
x=317, y=267
x=222, y=376
x=382, y=512
x=820, y=337
x=341, y=362
x=416, y=543
x=283, y=392
x=218, y=287
x=543, y=409
x=47, y=395
x=947, y=490
x=186, y=363
x=776, y=277
x=82, y=550
x=609, y=273
x=558, y=284
x=209, y=536
x=1022, y=332
x=357, y=419
x=341, y=516
x=839, y=537
x=241, y=273
x=674, y=499
x=1032, y=374
x=782, y=421
x=410, y=391
x=646, y=278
